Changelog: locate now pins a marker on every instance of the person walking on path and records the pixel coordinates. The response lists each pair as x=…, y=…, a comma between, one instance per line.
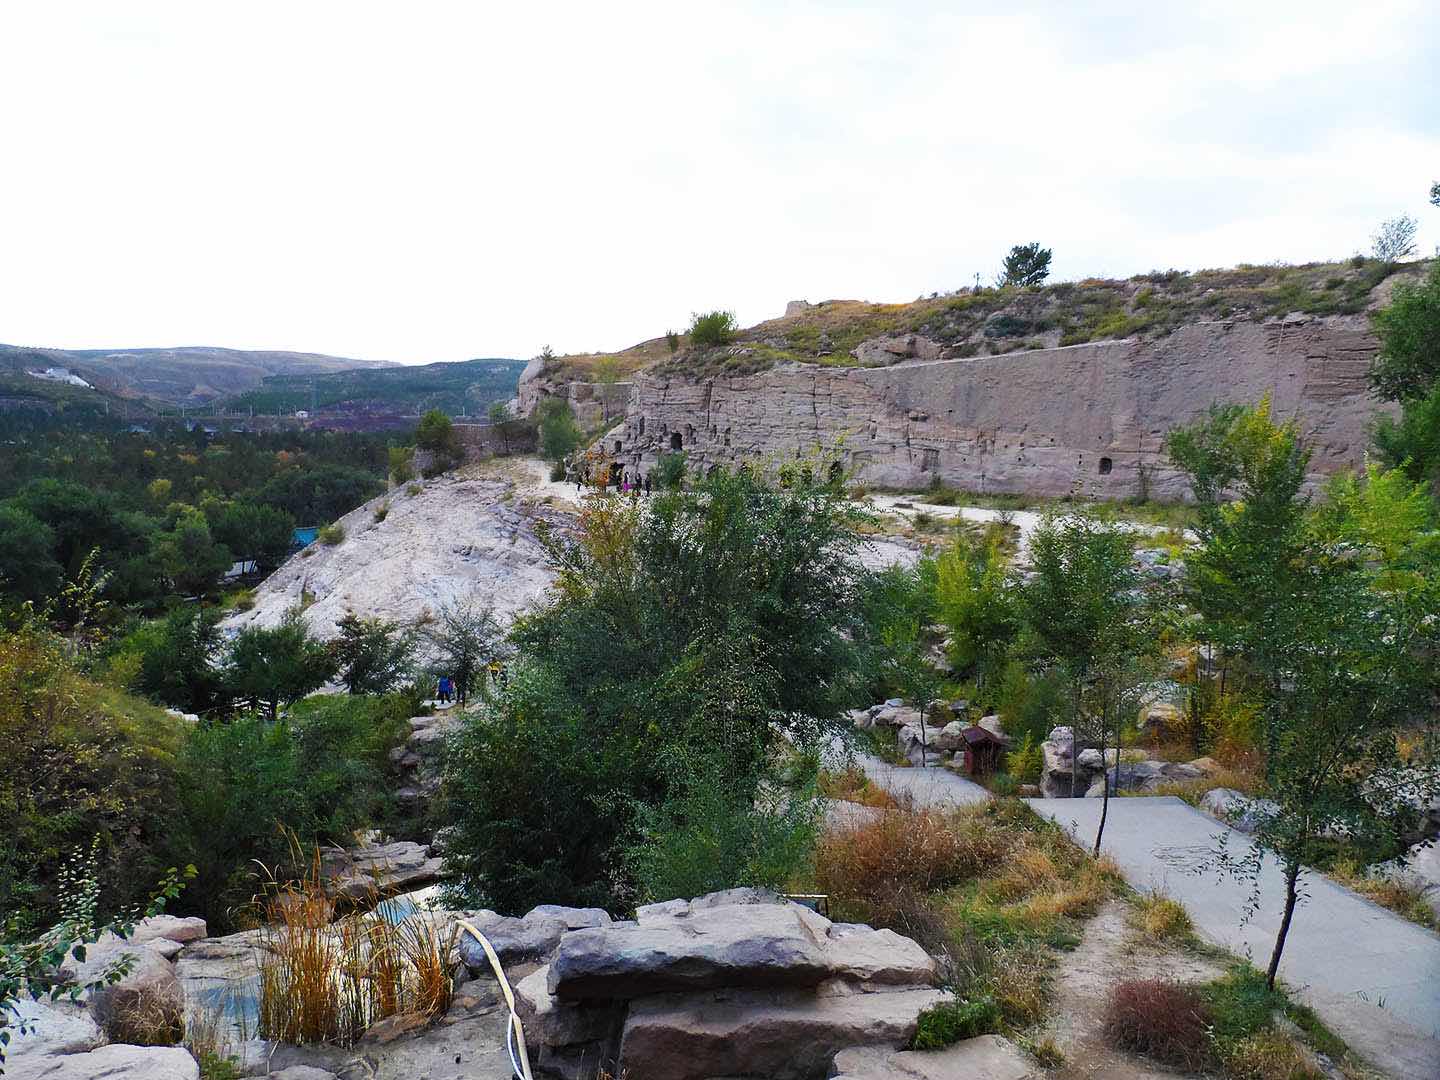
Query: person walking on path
x=444, y=689
x=647, y=483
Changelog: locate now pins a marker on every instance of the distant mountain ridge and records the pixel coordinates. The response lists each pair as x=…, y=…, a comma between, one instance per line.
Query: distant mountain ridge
x=464, y=387
x=187, y=375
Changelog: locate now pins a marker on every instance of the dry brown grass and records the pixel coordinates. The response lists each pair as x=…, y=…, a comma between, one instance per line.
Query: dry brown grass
x=1405, y=900
x=1161, y=918
x=327, y=981
x=874, y=871
x=1267, y=1055
x=141, y=1015
x=852, y=785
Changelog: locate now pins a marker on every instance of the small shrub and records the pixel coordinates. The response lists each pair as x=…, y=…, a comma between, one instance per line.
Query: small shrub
x=949, y=1022
x=713, y=328
x=1159, y=1019
x=1266, y=1055
x=414, y=489
x=1046, y=1051
x=852, y=785
x=557, y=471
x=382, y=512
x=1021, y=984
x=141, y=1015
x=1025, y=761
x=1163, y=918
x=331, y=535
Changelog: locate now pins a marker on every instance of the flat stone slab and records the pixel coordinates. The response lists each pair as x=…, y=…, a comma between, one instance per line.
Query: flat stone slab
x=116, y=1062
x=988, y=1057
x=1342, y=950
x=779, y=1034
x=731, y=945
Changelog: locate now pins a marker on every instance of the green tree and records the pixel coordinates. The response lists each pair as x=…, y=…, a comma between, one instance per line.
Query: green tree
x=670, y=471
x=402, y=464
x=1025, y=265
x=1247, y=476
x=1082, y=614
x=320, y=493
x=1395, y=239
x=560, y=435
x=1351, y=676
x=28, y=569
x=437, y=436
x=712, y=328
x=1412, y=443
x=261, y=533
x=190, y=557
x=977, y=606
x=374, y=655
x=1407, y=365
x=721, y=619
x=274, y=666
x=464, y=638
x=176, y=660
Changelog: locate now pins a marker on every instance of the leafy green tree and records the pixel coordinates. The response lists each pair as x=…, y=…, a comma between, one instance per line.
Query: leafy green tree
x=560, y=435
x=261, y=533
x=81, y=520
x=1351, y=677
x=1412, y=443
x=28, y=569
x=1407, y=365
x=1025, y=265
x=721, y=618
x=464, y=638
x=670, y=471
x=977, y=606
x=713, y=328
x=274, y=666
x=505, y=423
x=374, y=655
x=1247, y=476
x=1083, y=614
x=897, y=605
x=190, y=557
x=402, y=464
x=319, y=494
x=176, y=660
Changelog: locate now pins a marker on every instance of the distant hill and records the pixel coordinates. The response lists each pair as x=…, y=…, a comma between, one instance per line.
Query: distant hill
x=34, y=380
x=190, y=376
x=466, y=386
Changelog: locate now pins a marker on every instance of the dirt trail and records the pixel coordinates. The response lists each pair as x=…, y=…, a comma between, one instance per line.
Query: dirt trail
x=1110, y=951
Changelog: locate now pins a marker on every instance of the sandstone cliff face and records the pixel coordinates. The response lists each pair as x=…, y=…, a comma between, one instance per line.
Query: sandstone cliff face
x=1088, y=418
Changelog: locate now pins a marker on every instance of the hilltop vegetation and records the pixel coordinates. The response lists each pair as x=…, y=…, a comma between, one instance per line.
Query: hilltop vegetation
x=993, y=320
x=467, y=387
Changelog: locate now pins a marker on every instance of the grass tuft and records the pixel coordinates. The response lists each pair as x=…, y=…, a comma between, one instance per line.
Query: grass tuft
x=1161, y=1020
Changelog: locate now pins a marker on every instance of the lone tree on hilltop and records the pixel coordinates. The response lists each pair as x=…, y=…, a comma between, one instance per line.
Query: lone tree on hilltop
x=1027, y=264
x=436, y=434
x=1395, y=239
x=712, y=328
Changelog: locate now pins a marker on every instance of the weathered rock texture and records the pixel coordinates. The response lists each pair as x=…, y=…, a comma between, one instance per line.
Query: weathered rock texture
x=1046, y=422
x=459, y=539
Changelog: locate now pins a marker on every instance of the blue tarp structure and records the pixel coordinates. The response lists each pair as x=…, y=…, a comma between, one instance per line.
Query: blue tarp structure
x=305, y=537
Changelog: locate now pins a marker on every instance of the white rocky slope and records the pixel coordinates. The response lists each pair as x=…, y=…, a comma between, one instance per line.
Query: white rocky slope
x=466, y=536
x=462, y=537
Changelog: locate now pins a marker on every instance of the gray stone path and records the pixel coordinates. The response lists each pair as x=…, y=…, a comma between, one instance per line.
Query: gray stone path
x=928, y=787
x=1372, y=976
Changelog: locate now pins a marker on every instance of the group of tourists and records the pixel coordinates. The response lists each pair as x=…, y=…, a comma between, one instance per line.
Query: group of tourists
x=456, y=691
x=604, y=478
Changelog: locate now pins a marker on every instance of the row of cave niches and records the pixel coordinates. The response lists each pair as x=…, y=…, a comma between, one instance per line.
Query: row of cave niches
x=677, y=440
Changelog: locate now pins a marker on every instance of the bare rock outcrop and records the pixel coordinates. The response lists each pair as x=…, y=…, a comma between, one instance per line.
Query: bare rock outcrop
x=459, y=538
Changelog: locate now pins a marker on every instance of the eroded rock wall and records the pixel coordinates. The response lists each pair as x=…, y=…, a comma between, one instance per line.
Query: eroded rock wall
x=1088, y=418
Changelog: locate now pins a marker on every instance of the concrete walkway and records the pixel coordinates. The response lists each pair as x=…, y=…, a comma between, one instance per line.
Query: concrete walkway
x=1372, y=976
x=933, y=786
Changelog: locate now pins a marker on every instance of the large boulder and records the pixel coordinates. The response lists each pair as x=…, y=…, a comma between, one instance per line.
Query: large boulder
x=733, y=945
x=1149, y=775
x=119, y=1061
x=1058, y=766
x=1236, y=809
x=54, y=1027
x=531, y=937
x=369, y=870
x=786, y=1034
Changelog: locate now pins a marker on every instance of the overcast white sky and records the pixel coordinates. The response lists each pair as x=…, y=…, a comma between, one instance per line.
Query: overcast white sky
x=425, y=181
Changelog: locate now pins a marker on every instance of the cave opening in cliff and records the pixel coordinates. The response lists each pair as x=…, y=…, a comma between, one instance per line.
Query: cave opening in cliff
x=1105, y=466
x=676, y=441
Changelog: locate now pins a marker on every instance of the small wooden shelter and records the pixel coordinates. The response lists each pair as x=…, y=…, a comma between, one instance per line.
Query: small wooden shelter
x=984, y=751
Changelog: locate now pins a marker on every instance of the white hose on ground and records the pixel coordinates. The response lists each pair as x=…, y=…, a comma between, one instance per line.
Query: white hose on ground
x=515, y=1031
